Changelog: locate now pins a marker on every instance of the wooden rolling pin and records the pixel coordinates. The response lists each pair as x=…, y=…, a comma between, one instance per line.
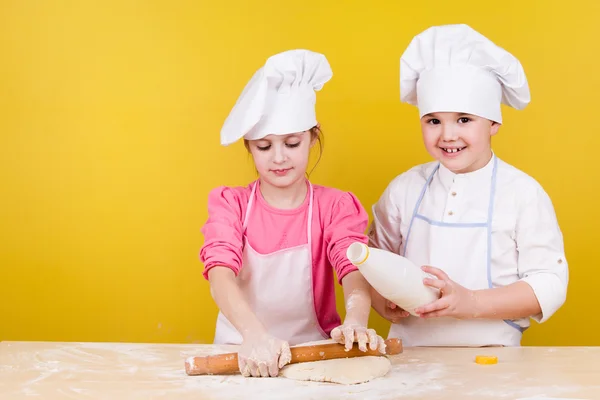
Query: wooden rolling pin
x=224, y=364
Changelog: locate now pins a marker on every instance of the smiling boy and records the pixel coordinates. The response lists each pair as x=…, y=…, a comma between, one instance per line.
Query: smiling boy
x=485, y=231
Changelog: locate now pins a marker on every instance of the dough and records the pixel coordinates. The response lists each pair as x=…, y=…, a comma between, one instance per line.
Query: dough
x=346, y=371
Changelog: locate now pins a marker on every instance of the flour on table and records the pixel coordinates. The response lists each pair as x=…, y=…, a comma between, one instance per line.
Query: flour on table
x=346, y=371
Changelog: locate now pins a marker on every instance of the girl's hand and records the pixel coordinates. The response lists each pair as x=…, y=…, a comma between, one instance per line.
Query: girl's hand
x=263, y=355
x=348, y=333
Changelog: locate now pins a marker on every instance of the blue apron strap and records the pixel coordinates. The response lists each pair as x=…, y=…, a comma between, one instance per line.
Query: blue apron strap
x=417, y=205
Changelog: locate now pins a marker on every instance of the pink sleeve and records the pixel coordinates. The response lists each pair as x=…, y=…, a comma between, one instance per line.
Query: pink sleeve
x=222, y=232
x=348, y=223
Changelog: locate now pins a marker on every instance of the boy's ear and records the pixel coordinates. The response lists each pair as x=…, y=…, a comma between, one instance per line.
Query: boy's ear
x=494, y=128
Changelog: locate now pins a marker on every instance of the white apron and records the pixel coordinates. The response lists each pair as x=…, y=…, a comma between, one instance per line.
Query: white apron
x=278, y=288
x=462, y=251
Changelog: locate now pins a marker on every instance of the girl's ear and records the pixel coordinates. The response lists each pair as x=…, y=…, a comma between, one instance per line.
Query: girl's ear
x=314, y=137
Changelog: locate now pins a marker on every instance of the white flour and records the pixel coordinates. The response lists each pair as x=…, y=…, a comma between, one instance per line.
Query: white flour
x=528, y=391
x=402, y=380
x=79, y=371
x=139, y=371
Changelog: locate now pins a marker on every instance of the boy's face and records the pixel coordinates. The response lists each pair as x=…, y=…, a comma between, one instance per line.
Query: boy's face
x=461, y=142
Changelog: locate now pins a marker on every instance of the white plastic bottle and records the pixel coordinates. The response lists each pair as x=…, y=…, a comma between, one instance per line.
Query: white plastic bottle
x=395, y=277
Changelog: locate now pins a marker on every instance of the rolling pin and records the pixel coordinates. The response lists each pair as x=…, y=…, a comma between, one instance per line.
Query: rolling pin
x=224, y=364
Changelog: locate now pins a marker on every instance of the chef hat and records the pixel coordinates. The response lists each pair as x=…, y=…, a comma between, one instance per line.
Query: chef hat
x=280, y=98
x=453, y=68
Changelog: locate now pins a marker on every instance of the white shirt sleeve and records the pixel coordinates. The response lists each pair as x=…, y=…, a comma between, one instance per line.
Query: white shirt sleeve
x=541, y=257
x=384, y=232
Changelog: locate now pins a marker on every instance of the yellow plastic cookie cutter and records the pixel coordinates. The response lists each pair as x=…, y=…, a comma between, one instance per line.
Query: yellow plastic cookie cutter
x=486, y=360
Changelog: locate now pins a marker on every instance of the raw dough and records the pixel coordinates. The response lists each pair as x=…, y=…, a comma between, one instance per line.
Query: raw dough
x=346, y=371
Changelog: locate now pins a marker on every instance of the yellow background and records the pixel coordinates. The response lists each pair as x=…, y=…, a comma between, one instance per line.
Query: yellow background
x=109, y=144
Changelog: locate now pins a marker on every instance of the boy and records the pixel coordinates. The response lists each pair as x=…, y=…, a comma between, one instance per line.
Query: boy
x=485, y=231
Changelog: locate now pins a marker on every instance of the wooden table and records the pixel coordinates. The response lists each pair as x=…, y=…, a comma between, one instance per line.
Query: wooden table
x=156, y=371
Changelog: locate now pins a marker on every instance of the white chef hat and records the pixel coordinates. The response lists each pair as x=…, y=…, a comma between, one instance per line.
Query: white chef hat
x=280, y=98
x=453, y=68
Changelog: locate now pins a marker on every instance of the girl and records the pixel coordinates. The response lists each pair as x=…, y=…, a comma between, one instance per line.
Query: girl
x=270, y=247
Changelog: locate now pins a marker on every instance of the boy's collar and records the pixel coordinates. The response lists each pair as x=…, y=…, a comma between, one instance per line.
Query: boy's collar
x=481, y=175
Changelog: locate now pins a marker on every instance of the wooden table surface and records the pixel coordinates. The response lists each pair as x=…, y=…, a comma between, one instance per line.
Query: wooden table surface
x=52, y=370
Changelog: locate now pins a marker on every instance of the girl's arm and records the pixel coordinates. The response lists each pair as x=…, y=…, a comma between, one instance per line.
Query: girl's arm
x=357, y=297
x=260, y=353
x=348, y=222
x=228, y=296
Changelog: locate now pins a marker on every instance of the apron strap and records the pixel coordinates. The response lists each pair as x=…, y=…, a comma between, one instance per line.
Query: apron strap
x=417, y=205
x=310, y=210
x=249, y=206
x=489, y=223
x=310, y=214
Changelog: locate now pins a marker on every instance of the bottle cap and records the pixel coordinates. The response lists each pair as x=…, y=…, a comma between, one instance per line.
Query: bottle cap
x=357, y=253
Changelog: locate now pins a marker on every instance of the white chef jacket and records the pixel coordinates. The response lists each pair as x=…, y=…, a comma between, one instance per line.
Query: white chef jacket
x=526, y=241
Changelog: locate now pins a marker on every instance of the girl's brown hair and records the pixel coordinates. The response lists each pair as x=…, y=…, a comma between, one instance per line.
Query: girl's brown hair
x=315, y=134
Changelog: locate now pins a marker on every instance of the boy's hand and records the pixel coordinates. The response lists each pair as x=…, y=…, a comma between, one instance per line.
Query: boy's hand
x=455, y=300
x=387, y=309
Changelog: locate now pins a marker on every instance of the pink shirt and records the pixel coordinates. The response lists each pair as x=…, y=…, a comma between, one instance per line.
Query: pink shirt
x=338, y=220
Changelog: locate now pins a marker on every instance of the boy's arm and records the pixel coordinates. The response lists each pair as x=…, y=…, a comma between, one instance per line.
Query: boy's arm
x=542, y=267
x=513, y=301
x=542, y=263
x=384, y=231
